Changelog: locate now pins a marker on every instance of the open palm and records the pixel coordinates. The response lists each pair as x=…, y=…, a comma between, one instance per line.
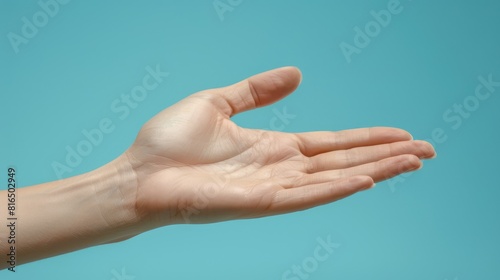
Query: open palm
x=194, y=165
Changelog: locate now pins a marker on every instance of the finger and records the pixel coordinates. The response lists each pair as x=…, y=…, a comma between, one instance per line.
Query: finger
x=313, y=143
x=304, y=197
x=378, y=171
x=257, y=91
x=357, y=156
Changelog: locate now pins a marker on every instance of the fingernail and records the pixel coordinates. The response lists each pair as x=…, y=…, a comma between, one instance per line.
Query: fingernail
x=369, y=186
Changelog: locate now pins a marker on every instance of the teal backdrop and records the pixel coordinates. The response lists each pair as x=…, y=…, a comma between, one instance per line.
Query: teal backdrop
x=431, y=67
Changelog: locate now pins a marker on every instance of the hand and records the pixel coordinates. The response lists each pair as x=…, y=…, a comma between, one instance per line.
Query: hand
x=194, y=165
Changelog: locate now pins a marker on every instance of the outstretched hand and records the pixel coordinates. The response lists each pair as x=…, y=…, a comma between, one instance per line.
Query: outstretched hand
x=191, y=164
x=194, y=165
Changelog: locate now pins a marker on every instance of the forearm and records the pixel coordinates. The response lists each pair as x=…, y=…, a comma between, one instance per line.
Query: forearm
x=71, y=214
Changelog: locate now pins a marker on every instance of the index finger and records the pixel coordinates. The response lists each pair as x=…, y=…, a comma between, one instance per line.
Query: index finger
x=314, y=143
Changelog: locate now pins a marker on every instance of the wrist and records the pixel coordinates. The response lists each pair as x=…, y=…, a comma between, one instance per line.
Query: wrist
x=115, y=195
x=127, y=211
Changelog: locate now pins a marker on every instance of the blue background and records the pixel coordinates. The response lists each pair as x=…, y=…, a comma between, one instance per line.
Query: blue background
x=440, y=223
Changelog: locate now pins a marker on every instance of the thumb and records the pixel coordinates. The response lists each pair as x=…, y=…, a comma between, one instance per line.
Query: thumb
x=259, y=90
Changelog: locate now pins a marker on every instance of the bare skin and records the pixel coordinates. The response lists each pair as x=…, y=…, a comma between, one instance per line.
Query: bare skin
x=192, y=164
